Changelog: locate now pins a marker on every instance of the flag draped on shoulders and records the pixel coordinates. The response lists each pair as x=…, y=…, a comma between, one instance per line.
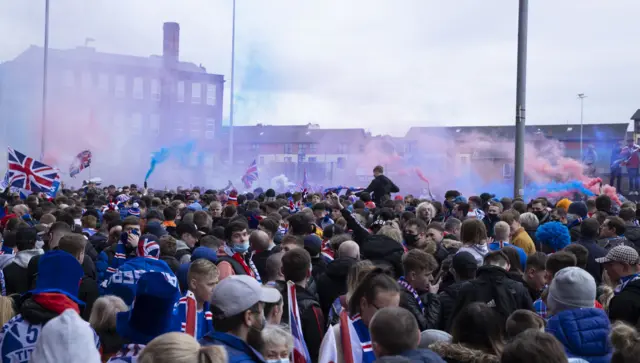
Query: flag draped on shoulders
x=299, y=353
x=193, y=322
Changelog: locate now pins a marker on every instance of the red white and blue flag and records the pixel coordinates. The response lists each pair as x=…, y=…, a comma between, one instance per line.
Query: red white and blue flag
x=24, y=172
x=81, y=162
x=300, y=353
x=251, y=175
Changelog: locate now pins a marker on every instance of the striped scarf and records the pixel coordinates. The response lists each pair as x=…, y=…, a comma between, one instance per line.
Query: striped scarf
x=128, y=354
x=412, y=291
x=626, y=281
x=190, y=323
x=365, y=339
x=253, y=267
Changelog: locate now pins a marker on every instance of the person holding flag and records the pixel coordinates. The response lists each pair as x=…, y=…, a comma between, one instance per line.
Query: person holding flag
x=251, y=175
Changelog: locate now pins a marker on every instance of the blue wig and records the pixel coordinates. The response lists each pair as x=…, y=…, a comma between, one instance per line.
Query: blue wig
x=553, y=234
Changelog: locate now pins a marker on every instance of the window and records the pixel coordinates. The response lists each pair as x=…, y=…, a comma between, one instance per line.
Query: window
x=196, y=126
x=68, y=79
x=255, y=147
x=138, y=88
x=261, y=160
x=507, y=173
x=313, y=148
x=210, y=128
x=155, y=90
x=103, y=82
x=136, y=123
x=154, y=123
x=288, y=159
x=341, y=162
x=211, y=94
x=288, y=148
x=120, y=87
x=196, y=93
x=180, y=91
x=313, y=159
x=342, y=148
x=86, y=80
x=302, y=148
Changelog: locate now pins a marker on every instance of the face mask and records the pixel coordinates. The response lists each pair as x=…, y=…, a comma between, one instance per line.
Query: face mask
x=283, y=360
x=493, y=217
x=410, y=239
x=540, y=215
x=241, y=248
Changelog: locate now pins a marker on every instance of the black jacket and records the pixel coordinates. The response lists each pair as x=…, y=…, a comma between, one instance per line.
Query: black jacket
x=260, y=260
x=490, y=283
x=34, y=313
x=311, y=317
x=626, y=305
x=632, y=232
x=448, y=298
x=333, y=282
x=16, y=279
x=173, y=263
x=381, y=186
x=99, y=241
x=595, y=251
x=518, y=277
x=318, y=266
x=427, y=319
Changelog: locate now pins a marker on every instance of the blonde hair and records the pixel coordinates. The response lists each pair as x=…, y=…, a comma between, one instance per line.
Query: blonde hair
x=356, y=274
x=273, y=335
x=501, y=231
x=6, y=309
x=103, y=313
x=605, y=297
x=202, y=267
x=624, y=339
x=180, y=348
x=391, y=232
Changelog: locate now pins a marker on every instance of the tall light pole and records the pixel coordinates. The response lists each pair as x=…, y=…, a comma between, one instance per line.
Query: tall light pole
x=44, y=80
x=233, y=78
x=581, y=96
x=521, y=95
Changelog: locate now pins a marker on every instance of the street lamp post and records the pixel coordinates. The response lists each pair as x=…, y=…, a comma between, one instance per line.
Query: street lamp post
x=233, y=78
x=521, y=95
x=44, y=80
x=581, y=96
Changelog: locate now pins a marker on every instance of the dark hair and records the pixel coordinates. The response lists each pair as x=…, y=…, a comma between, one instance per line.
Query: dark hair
x=560, y=260
x=373, y=283
x=26, y=238
x=473, y=231
x=229, y=211
x=419, y=223
x=627, y=214
x=589, y=228
x=451, y=224
x=218, y=232
x=514, y=258
x=496, y=258
x=436, y=225
x=72, y=243
x=10, y=239
x=407, y=216
x=270, y=226
x=479, y=326
x=537, y=261
x=233, y=227
x=296, y=264
x=534, y=346
x=581, y=253
x=616, y=223
x=273, y=266
x=519, y=206
x=300, y=224
x=603, y=203
x=110, y=216
x=319, y=207
x=59, y=227
x=332, y=230
x=131, y=221
x=521, y=320
x=227, y=324
x=378, y=169
x=291, y=239
x=451, y=194
x=418, y=261
x=169, y=213
x=506, y=203
x=395, y=329
x=200, y=219
x=510, y=216
x=67, y=218
x=212, y=242
x=600, y=216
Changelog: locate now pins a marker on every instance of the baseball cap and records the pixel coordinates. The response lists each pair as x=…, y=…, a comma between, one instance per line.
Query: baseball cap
x=623, y=254
x=238, y=293
x=464, y=261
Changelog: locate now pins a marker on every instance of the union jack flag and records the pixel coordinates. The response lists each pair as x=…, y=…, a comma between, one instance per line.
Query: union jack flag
x=250, y=175
x=300, y=353
x=305, y=182
x=29, y=174
x=81, y=162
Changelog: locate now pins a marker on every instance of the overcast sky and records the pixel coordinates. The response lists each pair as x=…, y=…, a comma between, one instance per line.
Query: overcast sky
x=381, y=65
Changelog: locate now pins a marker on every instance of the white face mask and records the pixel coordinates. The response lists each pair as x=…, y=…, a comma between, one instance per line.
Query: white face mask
x=283, y=360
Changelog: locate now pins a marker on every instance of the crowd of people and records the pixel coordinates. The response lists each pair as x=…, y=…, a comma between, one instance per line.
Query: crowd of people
x=193, y=276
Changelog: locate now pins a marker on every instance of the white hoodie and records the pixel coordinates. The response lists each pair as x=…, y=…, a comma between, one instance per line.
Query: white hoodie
x=66, y=338
x=478, y=252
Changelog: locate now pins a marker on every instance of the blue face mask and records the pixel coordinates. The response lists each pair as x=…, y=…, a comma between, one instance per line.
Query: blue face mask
x=284, y=360
x=241, y=247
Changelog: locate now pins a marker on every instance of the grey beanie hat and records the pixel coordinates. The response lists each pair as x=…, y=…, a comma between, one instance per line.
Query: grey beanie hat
x=431, y=336
x=571, y=288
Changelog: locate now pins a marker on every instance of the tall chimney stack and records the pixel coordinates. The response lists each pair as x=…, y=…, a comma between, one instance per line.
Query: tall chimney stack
x=171, y=43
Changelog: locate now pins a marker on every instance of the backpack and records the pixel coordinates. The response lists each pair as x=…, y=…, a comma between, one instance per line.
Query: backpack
x=497, y=294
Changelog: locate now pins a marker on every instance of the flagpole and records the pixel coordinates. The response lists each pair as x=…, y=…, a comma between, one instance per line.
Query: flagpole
x=233, y=58
x=44, y=80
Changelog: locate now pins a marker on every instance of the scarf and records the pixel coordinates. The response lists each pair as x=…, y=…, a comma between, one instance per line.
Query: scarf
x=55, y=302
x=411, y=290
x=190, y=324
x=253, y=267
x=6, y=250
x=238, y=258
x=624, y=281
x=128, y=353
x=365, y=339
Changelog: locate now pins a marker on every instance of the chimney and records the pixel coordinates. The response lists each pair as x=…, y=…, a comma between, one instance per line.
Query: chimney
x=171, y=43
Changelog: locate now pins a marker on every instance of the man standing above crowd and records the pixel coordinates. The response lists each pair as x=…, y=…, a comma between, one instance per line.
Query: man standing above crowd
x=381, y=186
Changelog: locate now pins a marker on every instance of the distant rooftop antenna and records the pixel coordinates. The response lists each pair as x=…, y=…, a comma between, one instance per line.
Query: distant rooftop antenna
x=87, y=41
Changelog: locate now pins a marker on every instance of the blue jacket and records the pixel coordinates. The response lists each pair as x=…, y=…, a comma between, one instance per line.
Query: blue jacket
x=123, y=281
x=422, y=355
x=237, y=350
x=495, y=246
x=584, y=333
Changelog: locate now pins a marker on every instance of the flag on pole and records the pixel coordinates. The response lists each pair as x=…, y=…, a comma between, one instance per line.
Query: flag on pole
x=251, y=175
x=81, y=162
x=299, y=353
x=27, y=173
